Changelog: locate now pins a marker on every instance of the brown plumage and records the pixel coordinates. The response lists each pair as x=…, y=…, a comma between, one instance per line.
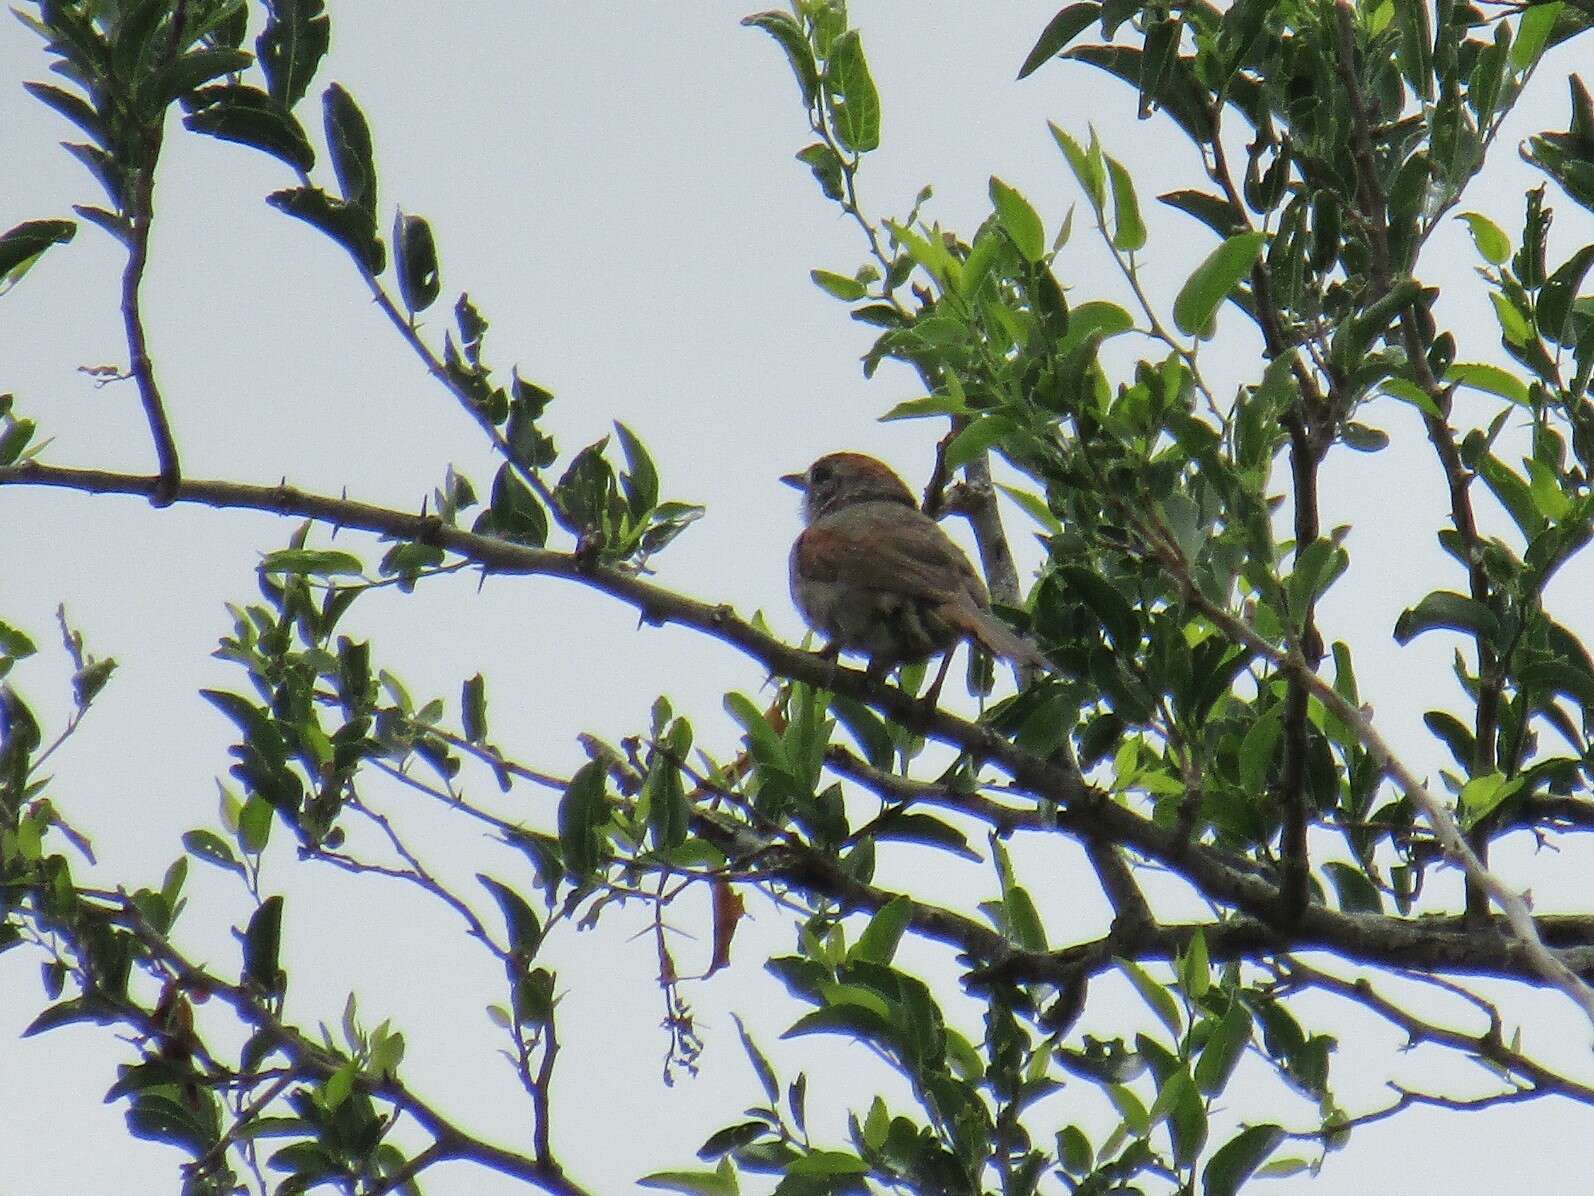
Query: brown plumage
x=877, y=576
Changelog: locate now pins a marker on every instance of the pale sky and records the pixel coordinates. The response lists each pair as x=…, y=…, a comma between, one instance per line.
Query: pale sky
x=614, y=185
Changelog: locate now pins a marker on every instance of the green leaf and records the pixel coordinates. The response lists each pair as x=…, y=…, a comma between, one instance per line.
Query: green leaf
x=249, y=116
x=1545, y=486
x=350, y=226
x=913, y=827
x=878, y=942
x=783, y=27
x=720, y=1182
x=1489, y=378
x=1019, y=220
x=1409, y=392
x=1074, y=1151
x=1559, y=677
x=1195, y=967
x=1154, y=994
x=1211, y=210
x=213, y=849
x=1130, y=233
x=843, y=288
x=313, y=562
x=1356, y=893
x=262, y=940
x=1063, y=28
x=930, y=405
x=641, y=479
x=824, y=1164
x=23, y=245
x=1086, y=165
x=1514, y=326
x=295, y=38
x=198, y=67
x=1533, y=33
x=855, y=108
x=980, y=435
x=525, y=931
x=73, y=107
x=1317, y=568
x=1493, y=245
x=1556, y=297
x=767, y=746
x=1445, y=609
x=1223, y=1049
x=473, y=708
x=1237, y=1159
x=1199, y=298
x=254, y=824
x=1023, y=919
x=420, y=277
x=14, y=643
x=761, y=1067
x=1187, y=1117
x=582, y=810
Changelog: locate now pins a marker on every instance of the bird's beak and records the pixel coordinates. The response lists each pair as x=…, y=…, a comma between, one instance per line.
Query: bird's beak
x=797, y=481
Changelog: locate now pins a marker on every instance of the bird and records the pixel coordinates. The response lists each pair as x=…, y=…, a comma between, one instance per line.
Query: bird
x=876, y=576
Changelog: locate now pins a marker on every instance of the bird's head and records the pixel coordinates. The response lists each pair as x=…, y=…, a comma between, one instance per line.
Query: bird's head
x=839, y=480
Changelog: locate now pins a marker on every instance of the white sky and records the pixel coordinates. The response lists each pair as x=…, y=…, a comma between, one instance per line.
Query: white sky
x=614, y=185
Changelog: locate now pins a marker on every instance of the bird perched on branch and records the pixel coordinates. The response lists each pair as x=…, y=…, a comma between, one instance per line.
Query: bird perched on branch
x=877, y=576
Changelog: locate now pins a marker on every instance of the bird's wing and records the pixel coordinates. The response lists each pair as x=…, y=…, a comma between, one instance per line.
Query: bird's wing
x=882, y=551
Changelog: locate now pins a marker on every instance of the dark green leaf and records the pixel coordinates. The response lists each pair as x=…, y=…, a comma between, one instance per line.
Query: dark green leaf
x=1237, y=1159
x=1555, y=300
x=731, y=1137
x=349, y=142
x=1559, y=677
x=1445, y=609
x=582, y=810
x=783, y=27
x=765, y=1073
x=1356, y=893
x=79, y=1009
x=21, y=246
x=1211, y=210
x=349, y=226
x=473, y=708
x=249, y=116
x=290, y=48
x=211, y=847
x=1063, y=28
x=914, y=827
x=525, y=931
x=641, y=479
x=262, y=941
x=73, y=107
x=198, y=67
x=415, y=253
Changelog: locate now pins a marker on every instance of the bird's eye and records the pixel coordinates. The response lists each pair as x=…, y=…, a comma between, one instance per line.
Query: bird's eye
x=820, y=474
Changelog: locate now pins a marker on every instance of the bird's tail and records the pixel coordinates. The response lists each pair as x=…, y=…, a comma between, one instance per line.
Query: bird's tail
x=990, y=633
